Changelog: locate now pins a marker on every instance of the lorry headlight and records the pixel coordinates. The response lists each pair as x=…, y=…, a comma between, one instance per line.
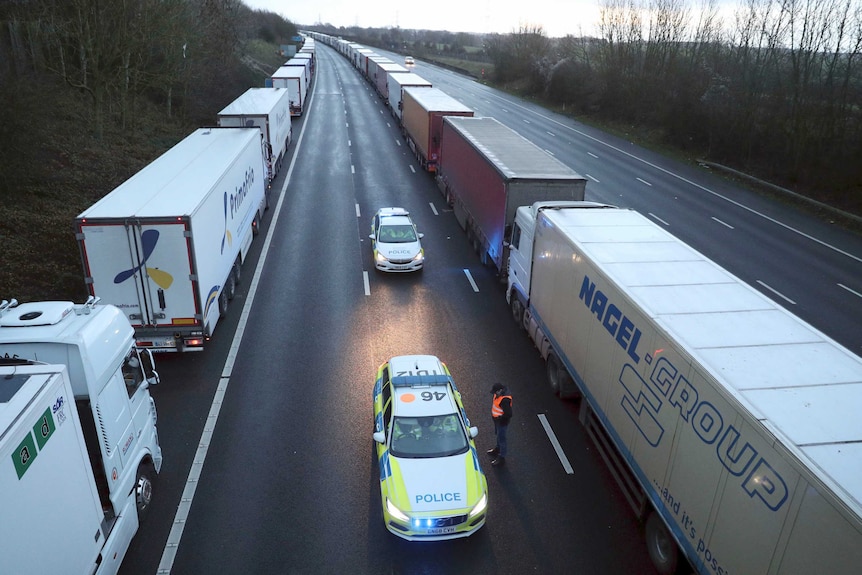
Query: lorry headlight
x=395, y=512
x=479, y=507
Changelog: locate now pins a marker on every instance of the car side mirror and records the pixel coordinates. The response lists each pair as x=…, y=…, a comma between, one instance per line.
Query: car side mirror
x=370, y=236
x=474, y=431
x=421, y=236
x=379, y=437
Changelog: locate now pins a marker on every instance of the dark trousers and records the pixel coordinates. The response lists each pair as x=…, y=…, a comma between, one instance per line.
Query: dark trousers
x=500, y=432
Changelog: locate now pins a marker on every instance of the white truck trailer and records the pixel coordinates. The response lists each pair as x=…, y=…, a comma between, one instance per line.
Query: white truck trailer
x=397, y=83
x=78, y=444
x=293, y=79
x=731, y=425
x=167, y=245
x=267, y=109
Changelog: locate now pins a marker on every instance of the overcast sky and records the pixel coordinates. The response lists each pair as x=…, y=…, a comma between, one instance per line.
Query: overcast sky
x=557, y=17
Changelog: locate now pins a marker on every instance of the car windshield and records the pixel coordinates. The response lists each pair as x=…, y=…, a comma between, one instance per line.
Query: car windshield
x=400, y=234
x=432, y=436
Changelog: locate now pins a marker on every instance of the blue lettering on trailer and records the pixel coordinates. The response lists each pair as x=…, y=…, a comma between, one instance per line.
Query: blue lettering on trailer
x=612, y=319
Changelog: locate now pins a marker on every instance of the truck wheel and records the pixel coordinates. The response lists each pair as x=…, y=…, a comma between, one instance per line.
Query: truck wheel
x=661, y=546
x=518, y=312
x=237, y=272
x=230, y=286
x=553, y=368
x=144, y=489
x=222, y=302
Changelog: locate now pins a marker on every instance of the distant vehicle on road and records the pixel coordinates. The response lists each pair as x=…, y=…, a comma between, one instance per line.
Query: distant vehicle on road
x=409, y=61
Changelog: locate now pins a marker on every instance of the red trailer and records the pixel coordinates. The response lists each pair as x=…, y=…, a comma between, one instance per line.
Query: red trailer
x=488, y=170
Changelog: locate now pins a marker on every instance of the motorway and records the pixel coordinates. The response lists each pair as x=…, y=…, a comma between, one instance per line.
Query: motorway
x=266, y=435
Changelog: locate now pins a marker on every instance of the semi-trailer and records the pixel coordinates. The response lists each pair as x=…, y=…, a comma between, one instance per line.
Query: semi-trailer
x=487, y=170
x=267, y=109
x=397, y=83
x=422, y=113
x=730, y=424
x=294, y=80
x=167, y=245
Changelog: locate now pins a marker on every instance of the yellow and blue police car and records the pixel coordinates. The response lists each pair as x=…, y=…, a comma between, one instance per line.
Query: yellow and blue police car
x=431, y=484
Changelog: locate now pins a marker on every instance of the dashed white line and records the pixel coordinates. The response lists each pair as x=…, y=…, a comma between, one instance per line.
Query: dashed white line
x=593, y=155
x=349, y=143
x=366, y=283
x=593, y=179
x=854, y=292
x=659, y=219
x=433, y=208
x=398, y=142
x=644, y=182
x=412, y=169
x=470, y=279
x=723, y=223
x=352, y=169
x=527, y=121
x=778, y=293
x=550, y=152
x=357, y=211
x=557, y=447
x=550, y=133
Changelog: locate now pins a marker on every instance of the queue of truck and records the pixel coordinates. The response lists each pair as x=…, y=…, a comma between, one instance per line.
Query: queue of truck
x=727, y=421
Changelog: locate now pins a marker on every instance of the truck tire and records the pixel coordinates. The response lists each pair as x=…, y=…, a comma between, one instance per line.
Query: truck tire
x=222, y=302
x=518, y=312
x=661, y=546
x=144, y=489
x=553, y=366
x=237, y=272
x=230, y=285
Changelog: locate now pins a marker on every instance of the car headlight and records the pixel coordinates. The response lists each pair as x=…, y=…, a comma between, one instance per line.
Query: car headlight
x=420, y=256
x=381, y=258
x=479, y=507
x=395, y=512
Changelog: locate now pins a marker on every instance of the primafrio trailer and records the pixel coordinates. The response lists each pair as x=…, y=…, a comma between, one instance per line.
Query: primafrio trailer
x=731, y=425
x=78, y=444
x=167, y=245
x=267, y=109
x=422, y=113
x=487, y=170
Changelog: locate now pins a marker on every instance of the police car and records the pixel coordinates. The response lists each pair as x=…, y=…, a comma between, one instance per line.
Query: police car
x=395, y=241
x=431, y=484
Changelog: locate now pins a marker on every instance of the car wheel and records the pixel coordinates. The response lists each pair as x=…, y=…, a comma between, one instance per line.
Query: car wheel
x=144, y=489
x=661, y=546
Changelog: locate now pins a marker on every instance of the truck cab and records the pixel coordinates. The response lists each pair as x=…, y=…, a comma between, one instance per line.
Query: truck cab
x=110, y=382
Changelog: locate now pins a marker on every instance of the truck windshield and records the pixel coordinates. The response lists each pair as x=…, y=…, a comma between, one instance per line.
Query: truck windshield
x=432, y=436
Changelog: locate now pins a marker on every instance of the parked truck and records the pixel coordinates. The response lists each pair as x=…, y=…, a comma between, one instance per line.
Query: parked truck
x=267, y=109
x=292, y=78
x=385, y=71
x=397, y=84
x=78, y=445
x=422, y=113
x=167, y=245
x=730, y=424
x=487, y=170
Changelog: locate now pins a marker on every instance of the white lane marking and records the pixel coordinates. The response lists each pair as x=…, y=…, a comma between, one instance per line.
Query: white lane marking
x=694, y=184
x=505, y=111
x=366, y=283
x=723, y=223
x=352, y=169
x=593, y=155
x=433, y=208
x=357, y=211
x=550, y=152
x=398, y=142
x=172, y=545
x=550, y=133
x=593, y=179
x=659, y=219
x=778, y=293
x=527, y=121
x=854, y=292
x=349, y=143
x=557, y=447
x=644, y=182
x=412, y=169
x=470, y=279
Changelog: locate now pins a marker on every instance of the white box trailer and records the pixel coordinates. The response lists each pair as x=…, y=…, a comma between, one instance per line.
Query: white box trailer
x=294, y=80
x=78, y=444
x=397, y=83
x=267, y=109
x=731, y=418
x=385, y=70
x=167, y=245
x=305, y=64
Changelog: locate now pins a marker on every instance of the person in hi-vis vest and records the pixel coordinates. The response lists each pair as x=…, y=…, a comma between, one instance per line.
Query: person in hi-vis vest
x=501, y=413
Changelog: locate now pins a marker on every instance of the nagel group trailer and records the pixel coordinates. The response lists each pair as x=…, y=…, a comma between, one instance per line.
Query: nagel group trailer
x=487, y=170
x=731, y=425
x=166, y=246
x=422, y=113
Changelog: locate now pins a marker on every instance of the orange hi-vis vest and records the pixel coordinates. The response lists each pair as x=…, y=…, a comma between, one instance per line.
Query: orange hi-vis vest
x=496, y=408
